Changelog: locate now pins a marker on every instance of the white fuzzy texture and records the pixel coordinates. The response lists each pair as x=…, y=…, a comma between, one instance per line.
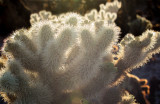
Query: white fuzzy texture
x=60, y=55
x=8, y=82
x=111, y=7
x=59, y=70
x=128, y=99
x=54, y=52
x=136, y=52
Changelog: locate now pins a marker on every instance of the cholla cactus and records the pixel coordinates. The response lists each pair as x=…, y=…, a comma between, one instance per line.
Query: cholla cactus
x=139, y=25
x=71, y=55
x=128, y=99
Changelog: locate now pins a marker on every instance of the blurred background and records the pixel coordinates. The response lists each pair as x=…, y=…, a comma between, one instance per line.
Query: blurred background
x=135, y=17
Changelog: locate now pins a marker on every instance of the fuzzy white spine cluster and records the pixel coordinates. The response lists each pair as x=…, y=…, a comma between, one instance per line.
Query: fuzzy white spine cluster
x=42, y=50
x=136, y=51
x=61, y=55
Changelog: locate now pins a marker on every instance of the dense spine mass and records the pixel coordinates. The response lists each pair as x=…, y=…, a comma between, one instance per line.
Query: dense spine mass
x=70, y=56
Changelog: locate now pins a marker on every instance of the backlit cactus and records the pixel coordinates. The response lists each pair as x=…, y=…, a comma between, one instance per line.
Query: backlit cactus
x=70, y=54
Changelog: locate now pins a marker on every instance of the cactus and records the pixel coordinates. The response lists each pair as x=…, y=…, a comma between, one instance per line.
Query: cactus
x=136, y=29
x=69, y=59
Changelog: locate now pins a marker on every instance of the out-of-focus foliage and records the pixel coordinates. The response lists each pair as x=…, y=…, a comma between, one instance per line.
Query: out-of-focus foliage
x=127, y=13
x=13, y=15
x=61, y=6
